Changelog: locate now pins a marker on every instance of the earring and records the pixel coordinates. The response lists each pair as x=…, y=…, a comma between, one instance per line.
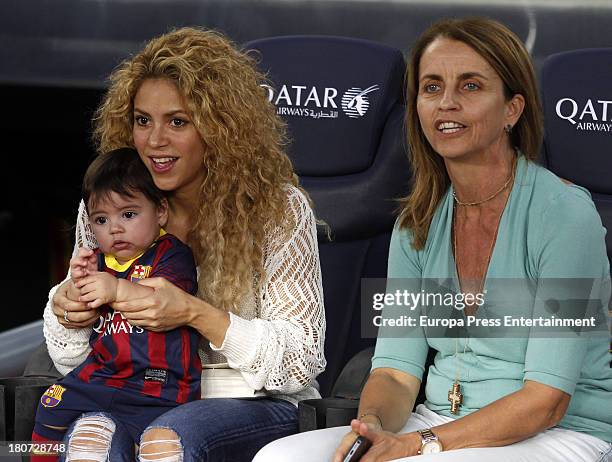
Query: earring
x=508, y=129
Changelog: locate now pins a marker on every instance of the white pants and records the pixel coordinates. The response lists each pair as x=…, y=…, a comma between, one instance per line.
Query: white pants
x=554, y=445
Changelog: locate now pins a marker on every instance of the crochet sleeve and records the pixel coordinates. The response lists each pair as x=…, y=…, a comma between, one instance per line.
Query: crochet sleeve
x=69, y=347
x=282, y=349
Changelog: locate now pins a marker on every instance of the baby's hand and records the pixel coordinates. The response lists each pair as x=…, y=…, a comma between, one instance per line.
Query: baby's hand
x=83, y=264
x=97, y=289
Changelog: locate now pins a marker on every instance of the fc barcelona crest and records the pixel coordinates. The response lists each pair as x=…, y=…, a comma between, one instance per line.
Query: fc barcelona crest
x=53, y=396
x=140, y=272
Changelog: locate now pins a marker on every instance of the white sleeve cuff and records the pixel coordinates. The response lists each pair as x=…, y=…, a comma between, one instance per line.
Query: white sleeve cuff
x=67, y=347
x=240, y=343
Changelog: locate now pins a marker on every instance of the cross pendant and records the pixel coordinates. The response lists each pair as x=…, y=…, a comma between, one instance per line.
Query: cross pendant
x=455, y=397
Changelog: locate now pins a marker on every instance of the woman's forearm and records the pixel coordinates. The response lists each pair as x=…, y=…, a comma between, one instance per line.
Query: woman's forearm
x=212, y=323
x=389, y=395
x=513, y=418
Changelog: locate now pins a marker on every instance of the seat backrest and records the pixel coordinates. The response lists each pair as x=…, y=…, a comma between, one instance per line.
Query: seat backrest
x=577, y=100
x=343, y=102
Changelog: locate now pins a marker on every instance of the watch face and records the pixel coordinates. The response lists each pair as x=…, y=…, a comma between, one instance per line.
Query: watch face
x=432, y=447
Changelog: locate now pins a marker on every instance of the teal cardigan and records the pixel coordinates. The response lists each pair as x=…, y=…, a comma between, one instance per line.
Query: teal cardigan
x=549, y=231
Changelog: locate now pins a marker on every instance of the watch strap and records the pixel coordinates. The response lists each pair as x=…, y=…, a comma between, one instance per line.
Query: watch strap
x=427, y=436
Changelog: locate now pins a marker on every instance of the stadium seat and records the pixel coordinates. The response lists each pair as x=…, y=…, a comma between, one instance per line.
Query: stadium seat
x=19, y=396
x=343, y=103
x=577, y=100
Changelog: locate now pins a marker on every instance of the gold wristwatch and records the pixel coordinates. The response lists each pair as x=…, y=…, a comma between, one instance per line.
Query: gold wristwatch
x=430, y=443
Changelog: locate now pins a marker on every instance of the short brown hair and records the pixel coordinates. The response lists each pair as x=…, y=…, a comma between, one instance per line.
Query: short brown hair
x=507, y=55
x=120, y=171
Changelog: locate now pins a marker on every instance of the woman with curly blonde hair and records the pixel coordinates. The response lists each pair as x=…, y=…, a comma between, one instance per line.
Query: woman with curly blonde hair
x=192, y=106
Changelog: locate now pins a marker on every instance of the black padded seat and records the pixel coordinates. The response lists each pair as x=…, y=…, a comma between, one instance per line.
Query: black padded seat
x=343, y=101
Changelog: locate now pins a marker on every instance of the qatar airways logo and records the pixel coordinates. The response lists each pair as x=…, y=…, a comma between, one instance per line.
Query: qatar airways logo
x=591, y=115
x=355, y=102
x=320, y=103
x=114, y=323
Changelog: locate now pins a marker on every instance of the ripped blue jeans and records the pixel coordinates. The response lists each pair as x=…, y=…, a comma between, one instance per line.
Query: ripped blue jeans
x=226, y=429
x=210, y=430
x=97, y=436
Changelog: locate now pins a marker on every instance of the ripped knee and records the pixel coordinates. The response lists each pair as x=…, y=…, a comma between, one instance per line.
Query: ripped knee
x=91, y=439
x=160, y=445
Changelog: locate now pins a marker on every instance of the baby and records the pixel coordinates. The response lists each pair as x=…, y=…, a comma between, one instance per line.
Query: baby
x=131, y=375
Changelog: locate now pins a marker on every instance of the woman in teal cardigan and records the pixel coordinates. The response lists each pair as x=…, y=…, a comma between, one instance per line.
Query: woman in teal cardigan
x=484, y=216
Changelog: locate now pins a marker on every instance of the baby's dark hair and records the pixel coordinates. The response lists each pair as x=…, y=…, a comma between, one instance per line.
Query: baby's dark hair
x=120, y=171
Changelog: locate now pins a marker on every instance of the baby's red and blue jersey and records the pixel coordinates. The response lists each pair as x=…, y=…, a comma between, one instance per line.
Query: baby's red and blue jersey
x=159, y=364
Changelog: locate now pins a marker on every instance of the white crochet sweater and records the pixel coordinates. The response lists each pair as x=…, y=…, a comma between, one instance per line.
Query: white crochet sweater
x=277, y=341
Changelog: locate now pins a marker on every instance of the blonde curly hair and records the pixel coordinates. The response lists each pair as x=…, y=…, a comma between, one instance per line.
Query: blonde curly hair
x=243, y=193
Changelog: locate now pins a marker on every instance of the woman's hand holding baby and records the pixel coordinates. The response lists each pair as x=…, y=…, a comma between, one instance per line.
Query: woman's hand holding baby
x=70, y=312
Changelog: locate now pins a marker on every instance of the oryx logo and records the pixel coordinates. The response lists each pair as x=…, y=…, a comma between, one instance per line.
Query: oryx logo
x=355, y=101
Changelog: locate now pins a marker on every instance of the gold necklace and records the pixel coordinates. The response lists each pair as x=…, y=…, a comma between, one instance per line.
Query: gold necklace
x=454, y=394
x=492, y=244
x=489, y=253
x=492, y=196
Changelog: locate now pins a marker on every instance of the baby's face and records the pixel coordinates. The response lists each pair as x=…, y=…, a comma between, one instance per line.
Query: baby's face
x=125, y=226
